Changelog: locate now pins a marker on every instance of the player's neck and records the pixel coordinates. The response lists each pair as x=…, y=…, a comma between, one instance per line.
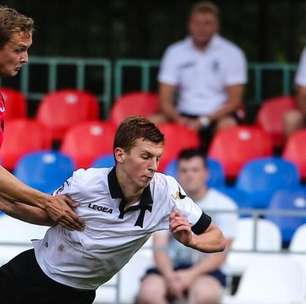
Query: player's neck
x=130, y=191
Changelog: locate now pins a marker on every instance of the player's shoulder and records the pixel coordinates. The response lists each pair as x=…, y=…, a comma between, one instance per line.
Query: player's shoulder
x=90, y=178
x=163, y=182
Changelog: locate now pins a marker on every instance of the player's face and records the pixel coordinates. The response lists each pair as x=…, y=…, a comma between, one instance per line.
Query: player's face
x=202, y=27
x=141, y=162
x=192, y=174
x=14, y=54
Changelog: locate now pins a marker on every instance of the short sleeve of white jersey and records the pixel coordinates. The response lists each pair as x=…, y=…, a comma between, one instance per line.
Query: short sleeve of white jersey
x=300, y=78
x=168, y=72
x=236, y=68
x=70, y=186
x=187, y=207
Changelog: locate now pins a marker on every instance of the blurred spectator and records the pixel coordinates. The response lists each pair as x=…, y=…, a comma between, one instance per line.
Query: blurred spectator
x=182, y=272
x=206, y=72
x=295, y=119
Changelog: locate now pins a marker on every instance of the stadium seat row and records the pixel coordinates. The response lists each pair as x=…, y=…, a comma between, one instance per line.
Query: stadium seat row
x=271, y=184
x=61, y=109
x=88, y=140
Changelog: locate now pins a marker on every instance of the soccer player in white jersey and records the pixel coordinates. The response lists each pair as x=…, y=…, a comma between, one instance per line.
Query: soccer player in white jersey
x=121, y=208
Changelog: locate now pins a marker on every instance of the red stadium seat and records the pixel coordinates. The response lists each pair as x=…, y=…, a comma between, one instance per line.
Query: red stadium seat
x=234, y=146
x=15, y=104
x=60, y=110
x=295, y=151
x=87, y=141
x=271, y=114
x=177, y=138
x=138, y=103
x=22, y=136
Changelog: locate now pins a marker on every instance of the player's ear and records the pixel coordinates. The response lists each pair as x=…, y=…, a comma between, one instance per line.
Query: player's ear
x=119, y=154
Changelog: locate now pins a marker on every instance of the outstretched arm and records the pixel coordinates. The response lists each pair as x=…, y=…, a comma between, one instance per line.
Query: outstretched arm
x=211, y=240
x=26, y=213
x=59, y=208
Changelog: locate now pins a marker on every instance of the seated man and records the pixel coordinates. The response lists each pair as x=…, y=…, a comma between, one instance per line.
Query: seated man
x=295, y=119
x=181, y=272
x=206, y=72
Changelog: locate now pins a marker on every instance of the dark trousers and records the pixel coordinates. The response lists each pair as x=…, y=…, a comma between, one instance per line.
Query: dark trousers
x=206, y=134
x=22, y=281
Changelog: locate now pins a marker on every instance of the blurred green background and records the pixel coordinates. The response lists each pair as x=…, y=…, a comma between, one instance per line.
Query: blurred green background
x=267, y=31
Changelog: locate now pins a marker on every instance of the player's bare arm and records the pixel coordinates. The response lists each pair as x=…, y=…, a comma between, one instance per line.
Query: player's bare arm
x=211, y=240
x=26, y=213
x=59, y=208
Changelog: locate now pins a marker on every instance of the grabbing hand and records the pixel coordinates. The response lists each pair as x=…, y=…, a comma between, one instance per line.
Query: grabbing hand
x=60, y=210
x=180, y=228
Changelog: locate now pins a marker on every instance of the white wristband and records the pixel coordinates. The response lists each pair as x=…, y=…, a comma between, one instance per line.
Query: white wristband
x=204, y=121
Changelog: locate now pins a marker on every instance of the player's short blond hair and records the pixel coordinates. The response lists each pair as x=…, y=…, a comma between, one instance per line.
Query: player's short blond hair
x=12, y=22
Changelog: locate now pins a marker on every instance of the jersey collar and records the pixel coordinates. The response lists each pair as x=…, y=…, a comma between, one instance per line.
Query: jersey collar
x=146, y=200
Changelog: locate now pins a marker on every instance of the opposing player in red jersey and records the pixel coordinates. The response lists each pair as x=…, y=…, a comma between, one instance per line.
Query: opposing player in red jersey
x=15, y=40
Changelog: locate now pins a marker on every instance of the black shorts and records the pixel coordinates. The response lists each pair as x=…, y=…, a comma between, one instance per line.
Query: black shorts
x=217, y=274
x=23, y=281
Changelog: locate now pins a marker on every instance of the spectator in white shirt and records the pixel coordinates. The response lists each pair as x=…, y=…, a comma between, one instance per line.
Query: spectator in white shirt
x=206, y=73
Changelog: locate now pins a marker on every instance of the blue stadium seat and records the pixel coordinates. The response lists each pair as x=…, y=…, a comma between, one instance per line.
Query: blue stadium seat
x=105, y=161
x=216, y=174
x=260, y=178
x=171, y=168
x=292, y=200
x=44, y=170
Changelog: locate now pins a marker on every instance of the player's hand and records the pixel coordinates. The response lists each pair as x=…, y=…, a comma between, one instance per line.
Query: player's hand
x=60, y=209
x=180, y=228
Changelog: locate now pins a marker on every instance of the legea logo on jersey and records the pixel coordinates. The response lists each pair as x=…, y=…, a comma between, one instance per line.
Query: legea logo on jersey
x=100, y=208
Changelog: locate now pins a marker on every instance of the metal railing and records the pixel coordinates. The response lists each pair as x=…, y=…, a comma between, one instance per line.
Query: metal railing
x=51, y=77
x=109, y=79
x=144, y=65
x=256, y=71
